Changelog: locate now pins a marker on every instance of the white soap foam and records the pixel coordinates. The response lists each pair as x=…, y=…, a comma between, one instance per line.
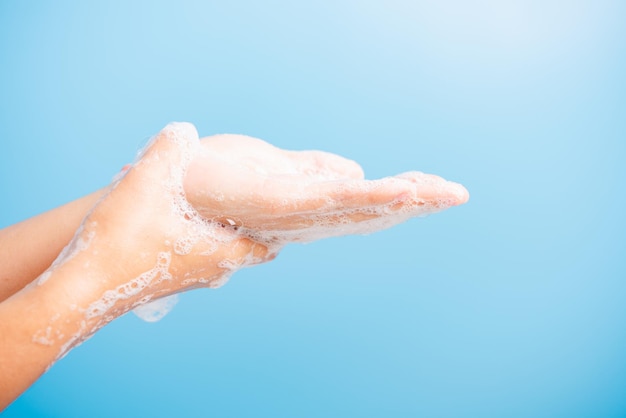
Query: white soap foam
x=107, y=301
x=43, y=337
x=157, y=309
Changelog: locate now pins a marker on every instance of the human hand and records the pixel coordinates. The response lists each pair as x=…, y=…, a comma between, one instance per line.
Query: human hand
x=188, y=213
x=143, y=240
x=283, y=196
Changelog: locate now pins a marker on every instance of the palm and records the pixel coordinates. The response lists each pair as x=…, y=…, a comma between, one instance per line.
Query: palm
x=245, y=181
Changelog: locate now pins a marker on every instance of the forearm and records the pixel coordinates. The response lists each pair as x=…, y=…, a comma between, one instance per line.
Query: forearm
x=29, y=247
x=43, y=321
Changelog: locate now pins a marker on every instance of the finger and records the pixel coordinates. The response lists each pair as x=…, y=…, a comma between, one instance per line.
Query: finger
x=352, y=194
x=408, y=189
x=432, y=188
x=415, y=187
x=362, y=220
x=332, y=196
x=315, y=227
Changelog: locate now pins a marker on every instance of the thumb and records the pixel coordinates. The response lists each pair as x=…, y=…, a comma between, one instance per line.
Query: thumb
x=168, y=153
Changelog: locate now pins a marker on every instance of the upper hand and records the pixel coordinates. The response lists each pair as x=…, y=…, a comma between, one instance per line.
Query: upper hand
x=304, y=195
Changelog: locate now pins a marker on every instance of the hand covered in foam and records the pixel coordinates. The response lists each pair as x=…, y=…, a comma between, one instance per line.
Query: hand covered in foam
x=279, y=196
x=190, y=212
x=148, y=240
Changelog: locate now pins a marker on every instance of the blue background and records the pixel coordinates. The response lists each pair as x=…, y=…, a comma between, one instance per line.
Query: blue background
x=513, y=305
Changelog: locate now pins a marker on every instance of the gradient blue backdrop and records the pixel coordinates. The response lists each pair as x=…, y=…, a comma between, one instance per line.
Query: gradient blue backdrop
x=511, y=306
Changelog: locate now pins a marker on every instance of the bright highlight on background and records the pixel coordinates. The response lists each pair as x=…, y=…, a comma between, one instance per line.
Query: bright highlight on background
x=513, y=305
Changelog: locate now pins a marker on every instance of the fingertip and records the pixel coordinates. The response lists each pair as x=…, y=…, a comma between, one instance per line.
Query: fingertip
x=357, y=171
x=270, y=256
x=185, y=130
x=431, y=186
x=350, y=169
x=173, y=140
x=256, y=253
x=460, y=193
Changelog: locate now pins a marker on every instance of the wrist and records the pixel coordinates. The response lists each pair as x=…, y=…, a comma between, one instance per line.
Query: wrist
x=64, y=295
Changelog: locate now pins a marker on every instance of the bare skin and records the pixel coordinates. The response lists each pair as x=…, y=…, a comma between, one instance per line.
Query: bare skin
x=29, y=247
x=187, y=214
